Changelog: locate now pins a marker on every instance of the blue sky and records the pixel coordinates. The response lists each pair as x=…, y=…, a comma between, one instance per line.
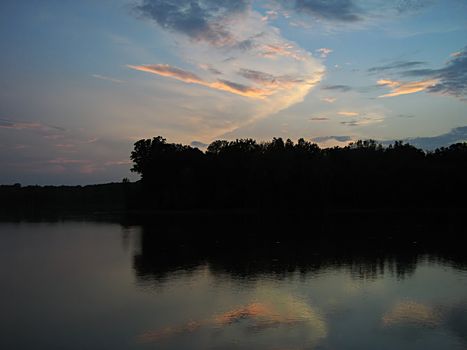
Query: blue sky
x=83, y=80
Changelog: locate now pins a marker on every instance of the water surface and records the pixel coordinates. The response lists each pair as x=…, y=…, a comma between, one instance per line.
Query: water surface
x=89, y=285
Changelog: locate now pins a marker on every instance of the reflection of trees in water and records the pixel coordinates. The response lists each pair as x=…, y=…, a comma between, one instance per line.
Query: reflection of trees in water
x=247, y=249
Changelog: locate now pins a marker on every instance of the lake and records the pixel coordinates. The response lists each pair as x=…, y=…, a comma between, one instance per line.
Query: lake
x=100, y=285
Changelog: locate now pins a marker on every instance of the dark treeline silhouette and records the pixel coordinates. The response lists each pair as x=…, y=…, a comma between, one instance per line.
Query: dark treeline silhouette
x=245, y=174
x=53, y=202
x=272, y=176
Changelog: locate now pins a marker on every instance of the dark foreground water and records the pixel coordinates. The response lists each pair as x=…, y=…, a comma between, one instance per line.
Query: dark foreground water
x=85, y=285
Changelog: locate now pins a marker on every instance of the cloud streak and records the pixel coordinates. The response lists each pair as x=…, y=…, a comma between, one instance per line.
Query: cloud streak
x=340, y=88
x=103, y=77
x=323, y=139
x=449, y=80
x=166, y=70
x=395, y=66
x=402, y=88
x=21, y=125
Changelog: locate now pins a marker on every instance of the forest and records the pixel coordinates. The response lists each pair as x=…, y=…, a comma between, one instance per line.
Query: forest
x=280, y=174
x=247, y=175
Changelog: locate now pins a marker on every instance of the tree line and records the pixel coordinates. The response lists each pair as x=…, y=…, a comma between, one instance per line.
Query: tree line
x=278, y=174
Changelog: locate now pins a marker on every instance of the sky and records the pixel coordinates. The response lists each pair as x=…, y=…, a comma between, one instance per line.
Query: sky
x=81, y=81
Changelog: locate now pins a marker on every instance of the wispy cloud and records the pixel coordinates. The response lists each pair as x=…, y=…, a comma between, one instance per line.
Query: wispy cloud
x=364, y=120
x=348, y=113
x=281, y=49
x=450, y=80
x=103, y=77
x=405, y=88
x=324, y=52
x=23, y=125
x=395, y=66
x=68, y=161
x=188, y=77
x=329, y=99
x=199, y=144
x=340, y=88
x=323, y=139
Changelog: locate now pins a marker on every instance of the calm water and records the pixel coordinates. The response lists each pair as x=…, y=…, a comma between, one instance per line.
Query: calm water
x=84, y=285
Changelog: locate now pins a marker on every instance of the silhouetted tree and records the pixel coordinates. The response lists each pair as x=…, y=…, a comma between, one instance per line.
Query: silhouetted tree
x=276, y=174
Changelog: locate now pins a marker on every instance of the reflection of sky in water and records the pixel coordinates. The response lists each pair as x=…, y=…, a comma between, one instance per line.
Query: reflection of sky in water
x=74, y=286
x=283, y=318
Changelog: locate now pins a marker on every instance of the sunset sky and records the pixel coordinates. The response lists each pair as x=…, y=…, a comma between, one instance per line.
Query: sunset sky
x=81, y=81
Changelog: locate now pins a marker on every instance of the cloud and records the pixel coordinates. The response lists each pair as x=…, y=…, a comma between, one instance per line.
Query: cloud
x=456, y=135
x=403, y=6
x=21, y=125
x=329, y=99
x=103, y=77
x=395, y=65
x=199, y=144
x=348, y=114
x=68, y=161
x=353, y=11
x=272, y=72
x=340, y=10
x=323, y=139
x=210, y=69
x=124, y=162
x=341, y=88
x=324, y=52
x=272, y=81
x=366, y=120
x=282, y=49
x=450, y=80
x=319, y=119
x=200, y=20
x=166, y=70
x=270, y=15
x=401, y=88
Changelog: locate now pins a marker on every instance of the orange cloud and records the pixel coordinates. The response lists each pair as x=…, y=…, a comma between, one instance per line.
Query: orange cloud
x=401, y=88
x=283, y=49
x=348, y=114
x=166, y=70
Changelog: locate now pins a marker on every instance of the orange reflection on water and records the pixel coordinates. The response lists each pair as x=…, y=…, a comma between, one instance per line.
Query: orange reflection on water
x=249, y=311
x=254, y=317
x=411, y=312
x=167, y=332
